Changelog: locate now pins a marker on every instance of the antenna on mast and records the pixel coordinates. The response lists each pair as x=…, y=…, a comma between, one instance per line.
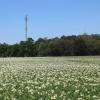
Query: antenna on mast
x=26, y=27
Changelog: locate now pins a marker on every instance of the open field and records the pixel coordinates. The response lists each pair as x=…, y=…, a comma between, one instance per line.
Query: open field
x=50, y=78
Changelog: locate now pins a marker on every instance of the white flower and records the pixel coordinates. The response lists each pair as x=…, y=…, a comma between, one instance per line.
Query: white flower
x=54, y=97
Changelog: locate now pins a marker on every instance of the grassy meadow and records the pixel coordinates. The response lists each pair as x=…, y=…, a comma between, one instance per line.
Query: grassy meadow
x=50, y=78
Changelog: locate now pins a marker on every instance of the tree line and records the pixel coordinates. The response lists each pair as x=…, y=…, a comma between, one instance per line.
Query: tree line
x=75, y=45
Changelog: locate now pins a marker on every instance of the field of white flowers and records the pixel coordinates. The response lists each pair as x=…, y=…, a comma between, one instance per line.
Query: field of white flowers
x=48, y=78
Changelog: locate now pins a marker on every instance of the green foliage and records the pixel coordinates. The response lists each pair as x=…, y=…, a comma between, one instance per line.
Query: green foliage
x=50, y=78
x=80, y=45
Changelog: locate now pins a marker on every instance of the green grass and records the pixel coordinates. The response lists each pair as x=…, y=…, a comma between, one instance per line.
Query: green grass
x=50, y=78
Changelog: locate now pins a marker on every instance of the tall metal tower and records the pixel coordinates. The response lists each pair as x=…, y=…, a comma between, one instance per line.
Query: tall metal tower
x=26, y=27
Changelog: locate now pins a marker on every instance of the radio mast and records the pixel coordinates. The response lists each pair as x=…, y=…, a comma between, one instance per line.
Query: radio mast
x=26, y=27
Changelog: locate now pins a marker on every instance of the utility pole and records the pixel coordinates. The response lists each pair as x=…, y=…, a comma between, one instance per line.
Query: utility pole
x=26, y=27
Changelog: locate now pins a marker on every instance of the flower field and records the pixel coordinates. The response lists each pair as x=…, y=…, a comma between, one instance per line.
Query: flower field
x=50, y=78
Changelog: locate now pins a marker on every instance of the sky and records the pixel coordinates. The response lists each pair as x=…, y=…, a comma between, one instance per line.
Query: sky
x=47, y=18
